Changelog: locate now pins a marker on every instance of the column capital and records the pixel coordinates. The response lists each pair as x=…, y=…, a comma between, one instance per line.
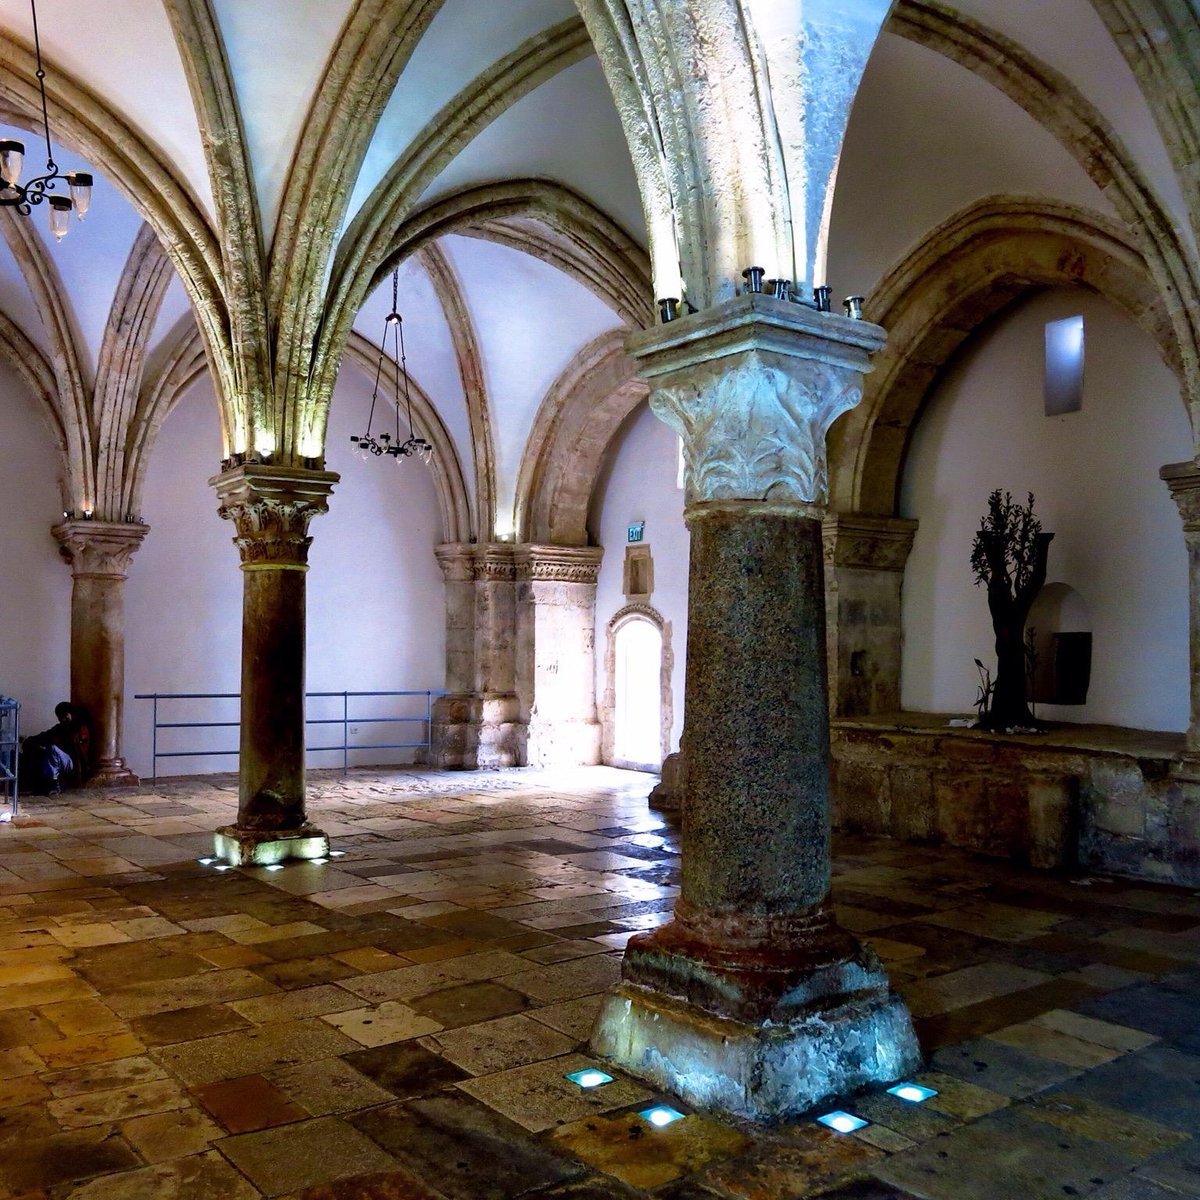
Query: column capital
x=867, y=543
x=271, y=508
x=496, y=562
x=99, y=548
x=753, y=385
x=457, y=561
x=1184, y=481
x=559, y=564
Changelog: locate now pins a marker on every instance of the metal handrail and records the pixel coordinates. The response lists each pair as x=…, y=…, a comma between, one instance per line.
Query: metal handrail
x=345, y=721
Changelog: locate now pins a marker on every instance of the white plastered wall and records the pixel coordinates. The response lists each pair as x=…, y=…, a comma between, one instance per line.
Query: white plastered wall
x=639, y=484
x=375, y=594
x=1094, y=474
x=35, y=583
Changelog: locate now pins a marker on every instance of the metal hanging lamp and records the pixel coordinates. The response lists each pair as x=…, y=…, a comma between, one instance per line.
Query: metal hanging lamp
x=366, y=445
x=22, y=197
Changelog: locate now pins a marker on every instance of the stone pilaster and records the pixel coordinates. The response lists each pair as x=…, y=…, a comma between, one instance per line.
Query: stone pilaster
x=99, y=553
x=271, y=508
x=864, y=572
x=1184, y=481
x=478, y=723
x=556, y=653
x=752, y=1000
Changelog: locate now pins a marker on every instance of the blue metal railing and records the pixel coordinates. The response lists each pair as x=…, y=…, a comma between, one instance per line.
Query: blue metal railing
x=345, y=720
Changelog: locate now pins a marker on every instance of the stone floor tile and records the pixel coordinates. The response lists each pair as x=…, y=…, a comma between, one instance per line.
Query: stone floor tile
x=569, y=980
x=164, y=1137
x=26, y=1027
x=464, y=1149
x=370, y=960
x=957, y=1098
x=389, y=1185
x=198, y=1177
x=92, y=1048
x=247, y=1103
x=75, y=1017
x=798, y=1167
x=295, y=1005
x=636, y=1153
x=378, y=1025
x=128, y=1073
x=469, y=1003
x=191, y=991
x=491, y=1046
x=1135, y=1136
x=329, y=1086
x=117, y=1104
x=539, y=1097
x=1088, y=1029
x=999, y=1068
x=1034, y=1161
x=19, y=1061
x=598, y=1187
x=293, y=1157
x=1055, y=1045
x=230, y=1055
x=62, y=1158
x=188, y=1024
x=406, y=1069
x=956, y=989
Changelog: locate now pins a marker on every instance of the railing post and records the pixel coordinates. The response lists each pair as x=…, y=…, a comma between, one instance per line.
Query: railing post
x=154, y=743
x=345, y=732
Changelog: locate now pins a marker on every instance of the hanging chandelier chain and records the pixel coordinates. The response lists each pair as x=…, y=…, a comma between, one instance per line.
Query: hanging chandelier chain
x=41, y=78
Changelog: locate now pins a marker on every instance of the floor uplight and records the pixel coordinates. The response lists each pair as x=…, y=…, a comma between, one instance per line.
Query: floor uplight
x=589, y=1078
x=914, y=1093
x=660, y=1115
x=223, y=867
x=317, y=862
x=843, y=1122
x=336, y=853
x=206, y=862
x=275, y=866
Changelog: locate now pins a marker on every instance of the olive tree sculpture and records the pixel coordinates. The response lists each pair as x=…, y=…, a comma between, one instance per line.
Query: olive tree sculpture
x=1009, y=556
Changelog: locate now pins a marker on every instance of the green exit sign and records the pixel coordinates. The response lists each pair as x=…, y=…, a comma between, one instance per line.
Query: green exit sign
x=637, y=532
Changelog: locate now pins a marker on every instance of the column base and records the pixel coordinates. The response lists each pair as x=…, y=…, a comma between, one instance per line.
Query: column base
x=764, y=1028
x=110, y=775
x=567, y=743
x=667, y=796
x=471, y=732
x=264, y=847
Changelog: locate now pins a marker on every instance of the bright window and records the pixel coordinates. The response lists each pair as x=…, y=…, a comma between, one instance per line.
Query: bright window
x=637, y=719
x=1064, y=366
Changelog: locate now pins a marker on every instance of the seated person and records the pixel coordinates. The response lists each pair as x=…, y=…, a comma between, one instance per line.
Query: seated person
x=57, y=757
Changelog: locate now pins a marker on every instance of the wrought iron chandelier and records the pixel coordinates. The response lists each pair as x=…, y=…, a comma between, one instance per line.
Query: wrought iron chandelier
x=22, y=197
x=365, y=444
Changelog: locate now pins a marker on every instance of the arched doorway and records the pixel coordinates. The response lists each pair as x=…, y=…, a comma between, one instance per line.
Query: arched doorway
x=637, y=694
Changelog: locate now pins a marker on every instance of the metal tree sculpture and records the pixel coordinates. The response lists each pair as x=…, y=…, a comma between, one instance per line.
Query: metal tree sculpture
x=1009, y=556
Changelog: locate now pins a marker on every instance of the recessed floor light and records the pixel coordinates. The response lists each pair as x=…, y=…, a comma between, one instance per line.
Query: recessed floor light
x=589, y=1078
x=223, y=867
x=336, y=853
x=317, y=862
x=275, y=867
x=206, y=862
x=914, y=1093
x=842, y=1122
x=660, y=1115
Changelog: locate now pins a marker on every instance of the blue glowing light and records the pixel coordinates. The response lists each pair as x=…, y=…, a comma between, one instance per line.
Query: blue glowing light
x=589, y=1078
x=660, y=1115
x=842, y=1122
x=914, y=1093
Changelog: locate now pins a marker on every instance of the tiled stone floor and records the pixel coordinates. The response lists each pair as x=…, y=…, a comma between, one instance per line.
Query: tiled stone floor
x=396, y=1024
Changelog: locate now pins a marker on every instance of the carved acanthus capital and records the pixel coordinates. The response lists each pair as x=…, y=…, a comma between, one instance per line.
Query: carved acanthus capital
x=868, y=543
x=752, y=386
x=99, y=548
x=271, y=508
x=559, y=564
x=1184, y=481
x=457, y=561
x=495, y=562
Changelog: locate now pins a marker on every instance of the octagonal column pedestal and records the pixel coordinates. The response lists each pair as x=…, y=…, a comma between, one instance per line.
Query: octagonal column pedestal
x=271, y=508
x=99, y=553
x=752, y=1000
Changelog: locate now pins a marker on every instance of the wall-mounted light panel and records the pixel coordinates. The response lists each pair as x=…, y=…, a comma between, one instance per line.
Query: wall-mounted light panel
x=1064, y=366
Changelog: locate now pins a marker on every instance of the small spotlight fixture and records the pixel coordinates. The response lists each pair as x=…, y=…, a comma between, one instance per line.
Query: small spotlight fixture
x=754, y=279
x=590, y=1078
x=206, y=862
x=842, y=1122
x=914, y=1093
x=668, y=309
x=336, y=853
x=223, y=867
x=853, y=306
x=318, y=862
x=660, y=1115
x=274, y=866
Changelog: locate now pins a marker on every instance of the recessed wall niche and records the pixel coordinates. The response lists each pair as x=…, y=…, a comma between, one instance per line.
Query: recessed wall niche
x=639, y=573
x=1061, y=625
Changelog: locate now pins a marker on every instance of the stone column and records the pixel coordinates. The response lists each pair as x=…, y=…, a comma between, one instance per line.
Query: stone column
x=271, y=508
x=1184, y=481
x=864, y=571
x=556, y=653
x=752, y=1000
x=99, y=553
x=478, y=724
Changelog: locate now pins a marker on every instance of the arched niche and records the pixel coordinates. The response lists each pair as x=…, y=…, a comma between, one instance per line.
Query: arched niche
x=634, y=631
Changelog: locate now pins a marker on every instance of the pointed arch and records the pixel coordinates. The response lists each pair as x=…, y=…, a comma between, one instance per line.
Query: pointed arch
x=967, y=270
x=448, y=288
x=135, y=307
x=574, y=427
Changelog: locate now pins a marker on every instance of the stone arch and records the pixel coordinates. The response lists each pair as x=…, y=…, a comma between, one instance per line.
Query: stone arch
x=571, y=434
x=608, y=704
x=964, y=272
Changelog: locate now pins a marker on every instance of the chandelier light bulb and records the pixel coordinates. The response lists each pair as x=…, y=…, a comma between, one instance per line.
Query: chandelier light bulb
x=12, y=157
x=60, y=216
x=80, y=183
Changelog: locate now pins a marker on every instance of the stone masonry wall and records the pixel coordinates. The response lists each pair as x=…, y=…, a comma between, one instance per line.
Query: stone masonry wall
x=1104, y=799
